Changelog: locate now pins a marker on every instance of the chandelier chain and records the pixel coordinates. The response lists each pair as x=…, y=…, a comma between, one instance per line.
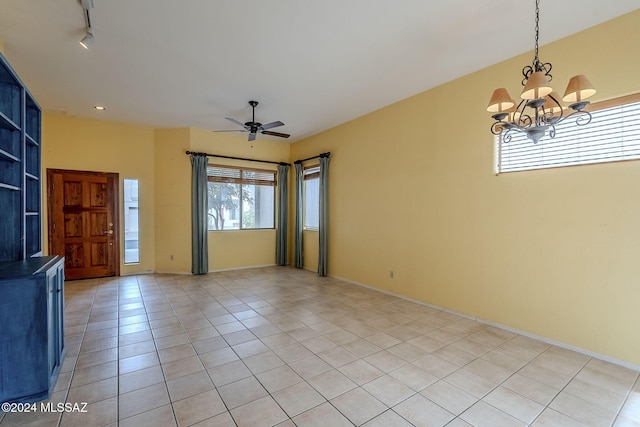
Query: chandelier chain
x=537, y=65
x=536, y=58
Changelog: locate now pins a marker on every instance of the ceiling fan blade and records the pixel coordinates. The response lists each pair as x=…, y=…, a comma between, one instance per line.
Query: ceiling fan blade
x=237, y=122
x=272, y=125
x=281, y=135
x=252, y=137
x=232, y=130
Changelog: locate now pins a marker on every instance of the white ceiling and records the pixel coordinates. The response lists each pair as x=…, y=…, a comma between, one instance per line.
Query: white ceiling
x=311, y=64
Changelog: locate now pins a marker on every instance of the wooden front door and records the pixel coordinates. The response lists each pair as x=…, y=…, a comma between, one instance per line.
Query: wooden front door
x=84, y=223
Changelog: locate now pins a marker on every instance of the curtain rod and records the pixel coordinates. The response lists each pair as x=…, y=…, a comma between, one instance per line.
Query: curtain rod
x=327, y=154
x=237, y=158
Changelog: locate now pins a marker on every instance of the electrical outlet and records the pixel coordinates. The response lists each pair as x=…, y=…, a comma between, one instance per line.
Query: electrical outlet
x=391, y=274
x=171, y=257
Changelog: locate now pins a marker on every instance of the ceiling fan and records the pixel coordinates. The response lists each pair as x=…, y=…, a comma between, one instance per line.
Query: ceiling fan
x=254, y=127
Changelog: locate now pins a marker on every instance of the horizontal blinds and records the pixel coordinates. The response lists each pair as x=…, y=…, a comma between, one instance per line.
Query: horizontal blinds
x=241, y=176
x=312, y=172
x=612, y=135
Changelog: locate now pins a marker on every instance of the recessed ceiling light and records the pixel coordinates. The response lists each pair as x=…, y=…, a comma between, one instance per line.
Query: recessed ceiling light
x=99, y=107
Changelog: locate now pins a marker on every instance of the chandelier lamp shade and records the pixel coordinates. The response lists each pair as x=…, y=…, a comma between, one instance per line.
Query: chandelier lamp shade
x=539, y=109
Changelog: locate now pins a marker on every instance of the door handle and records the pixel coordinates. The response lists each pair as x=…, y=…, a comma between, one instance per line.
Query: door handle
x=108, y=232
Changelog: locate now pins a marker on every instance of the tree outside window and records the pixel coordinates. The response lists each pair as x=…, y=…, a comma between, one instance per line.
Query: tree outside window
x=240, y=199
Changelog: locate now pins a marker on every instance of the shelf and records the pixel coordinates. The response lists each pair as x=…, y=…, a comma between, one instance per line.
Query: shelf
x=32, y=196
x=10, y=96
x=20, y=170
x=32, y=233
x=7, y=123
x=11, y=244
x=30, y=140
x=8, y=156
x=11, y=142
x=32, y=160
x=9, y=187
x=10, y=172
x=32, y=117
x=26, y=267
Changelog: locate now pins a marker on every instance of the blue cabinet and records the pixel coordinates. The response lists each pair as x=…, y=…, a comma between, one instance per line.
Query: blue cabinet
x=31, y=286
x=32, y=327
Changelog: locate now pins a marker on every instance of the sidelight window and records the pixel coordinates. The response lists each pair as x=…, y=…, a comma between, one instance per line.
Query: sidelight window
x=131, y=218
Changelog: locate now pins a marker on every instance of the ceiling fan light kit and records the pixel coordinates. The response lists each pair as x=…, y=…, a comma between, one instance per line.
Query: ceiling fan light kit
x=254, y=127
x=539, y=109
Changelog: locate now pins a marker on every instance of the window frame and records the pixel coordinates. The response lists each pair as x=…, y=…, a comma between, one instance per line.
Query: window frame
x=126, y=218
x=241, y=181
x=311, y=172
x=592, y=108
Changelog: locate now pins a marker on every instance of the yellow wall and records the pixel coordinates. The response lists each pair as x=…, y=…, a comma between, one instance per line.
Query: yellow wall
x=240, y=248
x=311, y=248
x=92, y=145
x=551, y=252
x=173, y=202
x=158, y=159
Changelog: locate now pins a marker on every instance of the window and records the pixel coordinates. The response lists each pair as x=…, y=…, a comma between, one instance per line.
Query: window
x=240, y=199
x=312, y=197
x=612, y=135
x=131, y=242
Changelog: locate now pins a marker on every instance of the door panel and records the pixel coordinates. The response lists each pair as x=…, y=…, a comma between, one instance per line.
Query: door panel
x=84, y=223
x=72, y=225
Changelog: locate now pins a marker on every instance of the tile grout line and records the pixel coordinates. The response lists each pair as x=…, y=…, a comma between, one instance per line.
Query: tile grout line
x=157, y=355
x=287, y=309
x=175, y=418
x=73, y=371
x=636, y=383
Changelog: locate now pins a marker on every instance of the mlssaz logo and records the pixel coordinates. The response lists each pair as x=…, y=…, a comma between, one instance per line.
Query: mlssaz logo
x=63, y=407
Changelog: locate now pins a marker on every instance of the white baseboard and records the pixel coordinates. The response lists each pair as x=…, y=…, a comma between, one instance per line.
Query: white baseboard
x=566, y=346
x=137, y=273
x=241, y=268
x=210, y=271
x=172, y=272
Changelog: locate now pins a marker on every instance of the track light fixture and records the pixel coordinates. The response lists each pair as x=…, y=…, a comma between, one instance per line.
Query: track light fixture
x=539, y=109
x=86, y=41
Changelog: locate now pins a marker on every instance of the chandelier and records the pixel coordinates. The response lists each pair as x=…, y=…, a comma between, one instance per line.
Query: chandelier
x=540, y=108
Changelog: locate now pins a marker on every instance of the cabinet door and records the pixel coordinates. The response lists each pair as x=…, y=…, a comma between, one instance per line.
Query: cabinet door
x=52, y=322
x=55, y=318
x=23, y=340
x=60, y=310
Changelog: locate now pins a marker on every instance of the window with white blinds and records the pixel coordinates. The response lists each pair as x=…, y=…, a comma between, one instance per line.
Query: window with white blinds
x=612, y=135
x=240, y=198
x=241, y=176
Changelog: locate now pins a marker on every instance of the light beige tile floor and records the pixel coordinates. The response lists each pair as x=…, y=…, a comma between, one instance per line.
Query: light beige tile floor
x=280, y=346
